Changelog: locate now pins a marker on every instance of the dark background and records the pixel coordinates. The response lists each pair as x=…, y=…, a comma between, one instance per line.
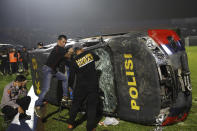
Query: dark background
x=27, y=22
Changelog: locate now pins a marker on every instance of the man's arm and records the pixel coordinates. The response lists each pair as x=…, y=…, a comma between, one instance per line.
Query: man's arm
x=69, y=53
x=96, y=57
x=12, y=104
x=16, y=54
x=7, y=99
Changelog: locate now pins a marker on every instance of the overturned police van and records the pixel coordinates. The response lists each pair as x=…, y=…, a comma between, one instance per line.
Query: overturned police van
x=144, y=76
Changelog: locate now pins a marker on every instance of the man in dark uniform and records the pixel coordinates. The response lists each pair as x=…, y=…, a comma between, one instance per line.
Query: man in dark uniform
x=1, y=63
x=50, y=69
x=4, y=62
x=86, y=87
x=25, y=57
x=7, y=66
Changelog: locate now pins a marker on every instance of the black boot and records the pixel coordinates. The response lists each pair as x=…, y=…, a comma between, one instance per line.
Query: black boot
x=24, y=117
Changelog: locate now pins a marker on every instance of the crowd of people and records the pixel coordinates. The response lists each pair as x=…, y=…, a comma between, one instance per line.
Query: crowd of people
x=13, y=61
x=77, y=61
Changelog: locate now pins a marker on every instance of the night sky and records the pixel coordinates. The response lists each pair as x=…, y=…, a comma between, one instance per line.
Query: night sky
x=29, y=21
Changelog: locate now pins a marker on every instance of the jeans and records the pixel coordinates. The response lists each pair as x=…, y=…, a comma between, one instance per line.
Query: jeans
x=47, y=75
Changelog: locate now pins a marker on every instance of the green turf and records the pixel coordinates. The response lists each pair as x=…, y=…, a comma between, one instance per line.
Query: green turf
x=190, y=124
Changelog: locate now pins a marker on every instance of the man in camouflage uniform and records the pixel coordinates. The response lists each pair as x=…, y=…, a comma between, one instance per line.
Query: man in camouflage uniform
x=15, y=99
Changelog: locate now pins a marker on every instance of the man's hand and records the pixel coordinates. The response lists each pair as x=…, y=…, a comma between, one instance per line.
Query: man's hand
x=71, y=50
x=69, y=53
x=9, y=91
x=20, y=110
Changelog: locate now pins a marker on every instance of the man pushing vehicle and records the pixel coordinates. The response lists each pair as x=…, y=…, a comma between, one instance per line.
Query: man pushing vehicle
x=50, y=69
x=83, y=65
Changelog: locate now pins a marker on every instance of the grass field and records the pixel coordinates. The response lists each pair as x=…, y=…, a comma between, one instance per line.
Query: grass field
x=190, y=124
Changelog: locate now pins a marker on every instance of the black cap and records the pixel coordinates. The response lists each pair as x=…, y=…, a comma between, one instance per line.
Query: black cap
x=20, y=78
x=77, y=46
x=40, y=44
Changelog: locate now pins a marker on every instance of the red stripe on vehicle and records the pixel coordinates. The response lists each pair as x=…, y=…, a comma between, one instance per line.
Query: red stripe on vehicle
x=171, y=120
x=160, y=35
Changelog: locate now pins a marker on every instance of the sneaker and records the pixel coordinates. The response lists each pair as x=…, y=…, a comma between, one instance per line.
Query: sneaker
x=24, y=117
x=65, y=101
x=38, y=111
x=64, y=98
x=70, y=127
